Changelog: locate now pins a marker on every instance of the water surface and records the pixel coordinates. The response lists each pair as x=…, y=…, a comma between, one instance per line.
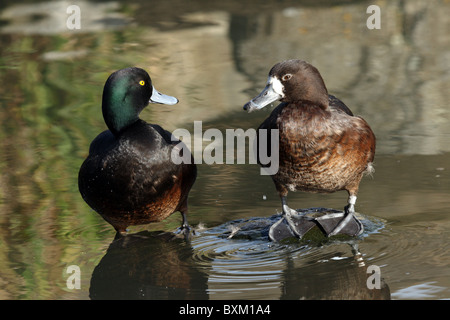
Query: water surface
x=214, y=56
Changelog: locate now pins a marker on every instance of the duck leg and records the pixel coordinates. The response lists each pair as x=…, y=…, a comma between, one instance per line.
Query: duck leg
x=291, y=224
x=285, y=207
x=184, y=224
x=121, y=228
x=349, y=211
x=185, y=227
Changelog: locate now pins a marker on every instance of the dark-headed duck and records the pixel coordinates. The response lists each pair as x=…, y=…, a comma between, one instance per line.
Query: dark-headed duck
x=129, y=177
x=323, y=147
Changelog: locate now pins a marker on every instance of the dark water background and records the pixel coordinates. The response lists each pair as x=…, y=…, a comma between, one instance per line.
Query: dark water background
x=214, y=56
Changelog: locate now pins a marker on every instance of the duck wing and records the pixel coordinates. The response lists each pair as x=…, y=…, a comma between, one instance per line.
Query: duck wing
x=338, y=105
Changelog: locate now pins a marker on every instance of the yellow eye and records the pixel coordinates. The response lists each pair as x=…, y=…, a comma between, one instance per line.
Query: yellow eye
x=142, y=82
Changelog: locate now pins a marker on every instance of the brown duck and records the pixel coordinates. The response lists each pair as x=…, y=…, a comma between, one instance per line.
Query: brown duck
x=323, y=147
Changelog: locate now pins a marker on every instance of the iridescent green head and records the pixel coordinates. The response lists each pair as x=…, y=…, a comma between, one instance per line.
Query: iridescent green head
x=126, y=93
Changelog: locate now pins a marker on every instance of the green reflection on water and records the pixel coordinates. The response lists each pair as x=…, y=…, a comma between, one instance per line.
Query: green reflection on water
x=50, y=111
x=50, y=94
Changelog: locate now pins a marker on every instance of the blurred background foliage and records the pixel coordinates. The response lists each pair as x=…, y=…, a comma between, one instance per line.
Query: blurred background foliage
x=213, y=56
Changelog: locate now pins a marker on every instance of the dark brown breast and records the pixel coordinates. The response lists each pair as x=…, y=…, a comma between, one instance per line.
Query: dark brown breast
x=319, y=150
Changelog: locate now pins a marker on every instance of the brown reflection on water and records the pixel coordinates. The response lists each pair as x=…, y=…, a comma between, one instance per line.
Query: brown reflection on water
x=213, y=57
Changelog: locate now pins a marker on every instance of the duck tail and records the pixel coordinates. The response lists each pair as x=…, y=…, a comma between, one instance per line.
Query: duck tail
x=370, y=169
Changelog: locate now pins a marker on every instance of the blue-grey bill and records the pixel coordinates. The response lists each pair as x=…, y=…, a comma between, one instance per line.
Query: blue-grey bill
x=266, y=97
x=158, y=97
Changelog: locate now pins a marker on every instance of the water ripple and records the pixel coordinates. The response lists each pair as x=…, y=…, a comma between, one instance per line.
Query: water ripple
x=240, y=260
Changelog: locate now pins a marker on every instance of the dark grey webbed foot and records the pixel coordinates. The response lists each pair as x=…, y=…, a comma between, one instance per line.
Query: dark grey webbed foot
x=348, y=216
x=185, y=228
x=349, y=211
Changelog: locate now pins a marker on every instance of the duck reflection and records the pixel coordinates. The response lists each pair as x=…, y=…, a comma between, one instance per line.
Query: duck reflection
x=148, y=265
x=314, y=267
x=240, y=265
x=332, y=280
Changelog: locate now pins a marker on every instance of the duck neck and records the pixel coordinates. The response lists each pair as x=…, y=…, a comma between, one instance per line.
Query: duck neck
x=322, y=103
x=315, y=90
x=118, y=111
x=318, y=94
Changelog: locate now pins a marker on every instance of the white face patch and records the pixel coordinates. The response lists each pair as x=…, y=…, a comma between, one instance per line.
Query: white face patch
x=277, y=86
x=271, y=93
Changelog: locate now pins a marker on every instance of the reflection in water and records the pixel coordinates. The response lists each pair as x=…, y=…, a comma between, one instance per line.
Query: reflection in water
x=148, y=265
x=232, y=261
x=338, y=279
x=214, y=55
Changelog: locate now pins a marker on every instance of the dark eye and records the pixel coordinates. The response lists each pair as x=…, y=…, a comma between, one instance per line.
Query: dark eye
x=286, y=77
